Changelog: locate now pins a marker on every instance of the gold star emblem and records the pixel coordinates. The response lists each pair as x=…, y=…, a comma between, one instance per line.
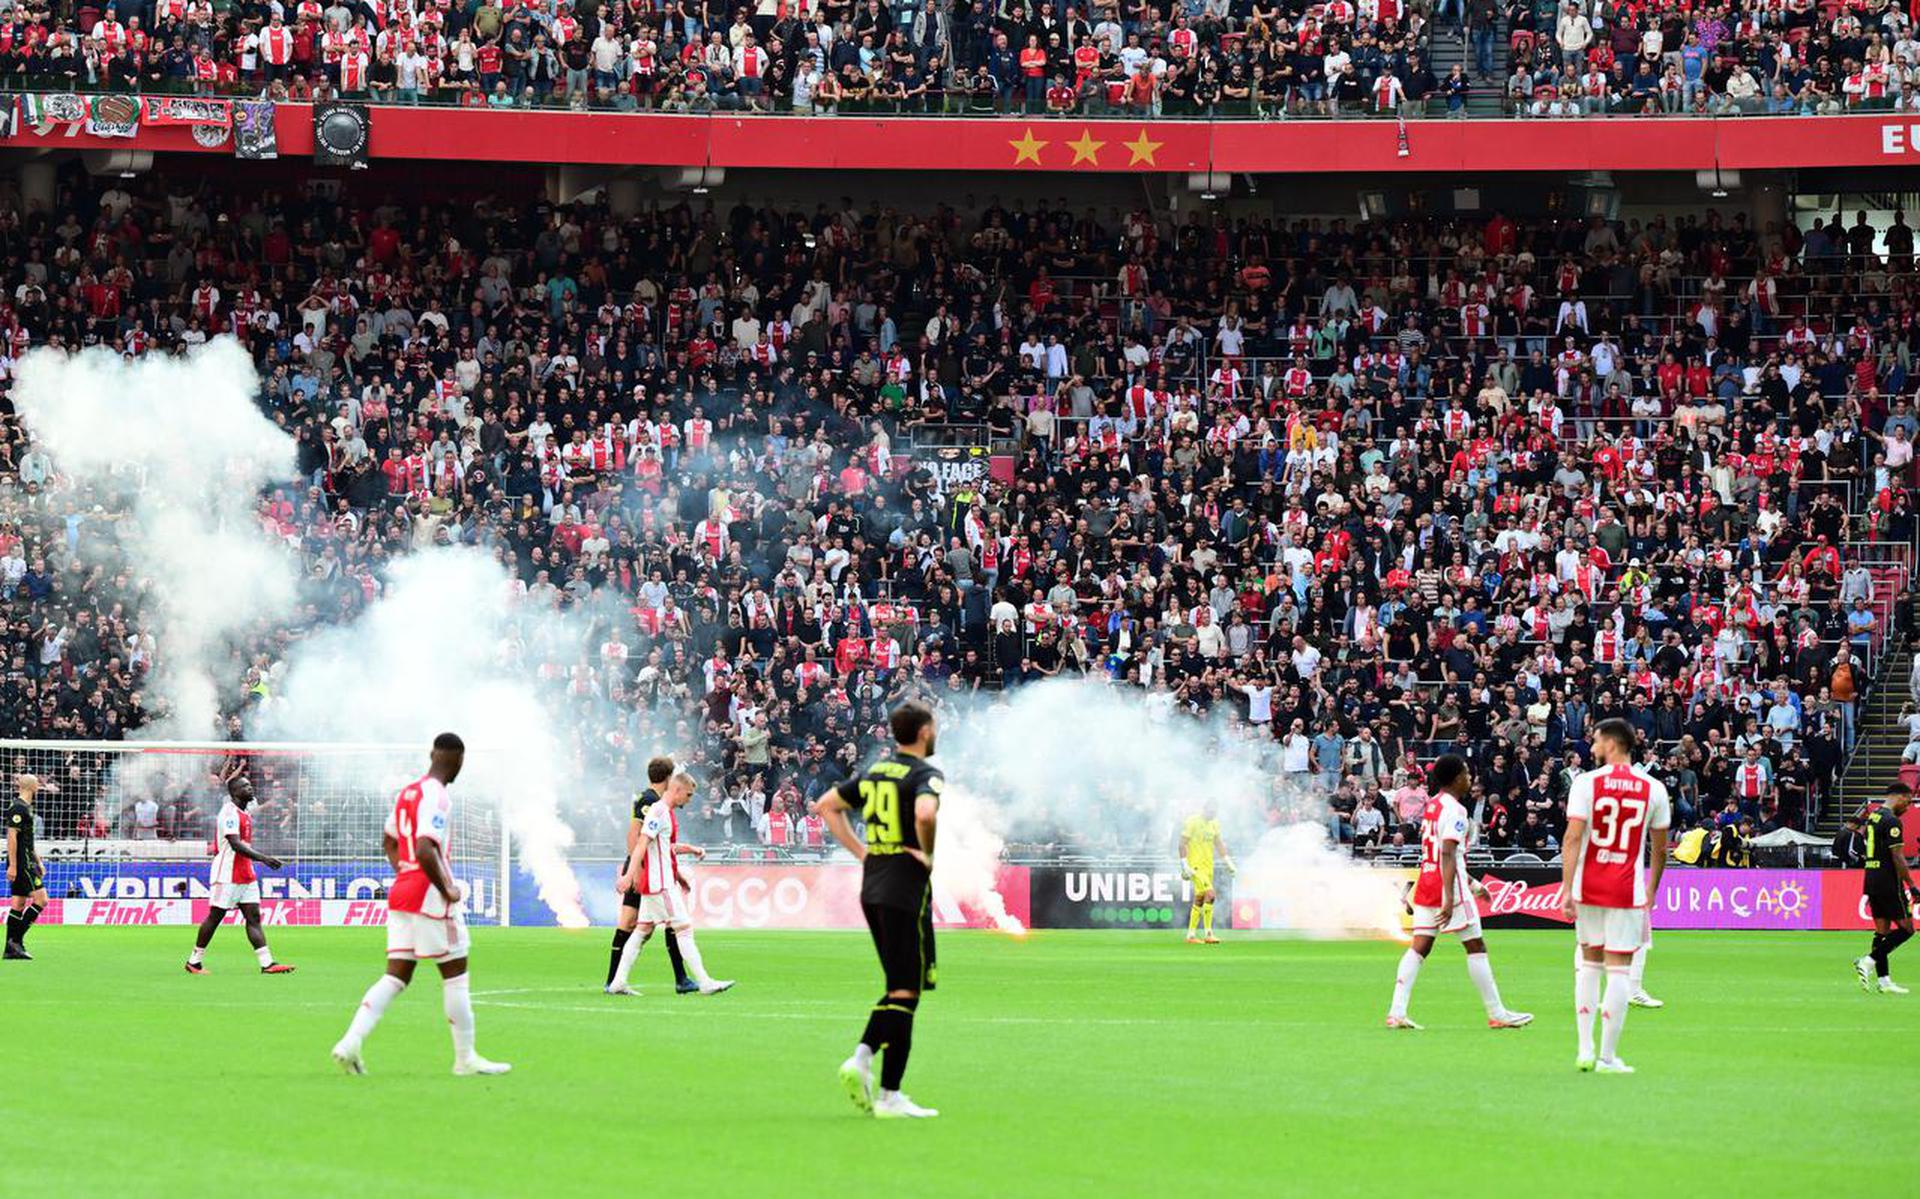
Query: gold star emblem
x=1142, y=148
x=1026, y=148
x=1086, y=149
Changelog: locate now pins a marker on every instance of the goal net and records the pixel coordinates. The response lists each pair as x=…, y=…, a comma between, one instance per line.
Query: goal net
x=125, y=829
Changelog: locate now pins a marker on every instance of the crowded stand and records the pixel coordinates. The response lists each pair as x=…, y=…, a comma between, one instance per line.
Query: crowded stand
x=1359, y=493
x=1202, y=58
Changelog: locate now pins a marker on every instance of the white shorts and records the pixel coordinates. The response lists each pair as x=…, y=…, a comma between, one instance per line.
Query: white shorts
x=668, y=907
x=1465, y=923
x=1616, y=930
x=232, y=895
x=413, y=937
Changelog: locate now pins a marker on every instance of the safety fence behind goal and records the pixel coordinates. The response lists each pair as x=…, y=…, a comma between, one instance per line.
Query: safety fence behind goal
x=125, y=829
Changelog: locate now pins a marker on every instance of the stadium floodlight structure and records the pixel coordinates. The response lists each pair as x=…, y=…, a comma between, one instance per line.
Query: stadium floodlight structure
x=127, y=827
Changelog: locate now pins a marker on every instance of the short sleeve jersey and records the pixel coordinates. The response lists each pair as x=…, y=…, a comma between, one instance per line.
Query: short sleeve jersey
x=887, y=793
x=422, y=811
x=228, y=866
x=1620, y=804
x=1444, y=832
x=20, y=822
x=1884, y=842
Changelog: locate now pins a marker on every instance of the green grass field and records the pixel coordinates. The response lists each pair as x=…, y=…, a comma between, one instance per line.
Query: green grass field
x=1127, y=1064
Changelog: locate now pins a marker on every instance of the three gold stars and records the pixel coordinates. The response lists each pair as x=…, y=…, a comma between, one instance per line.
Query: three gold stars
x=1086, y=148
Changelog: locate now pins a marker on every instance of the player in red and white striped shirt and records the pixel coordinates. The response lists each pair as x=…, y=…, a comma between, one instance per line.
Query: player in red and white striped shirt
x=1443, y=898
x=653, y=869
x=1617, y=819
x=232, y=883
x=424, y=918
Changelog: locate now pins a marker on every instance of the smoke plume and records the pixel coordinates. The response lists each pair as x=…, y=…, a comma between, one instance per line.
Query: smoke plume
x=447, y=646
x=1116, y=770
x=181, y=444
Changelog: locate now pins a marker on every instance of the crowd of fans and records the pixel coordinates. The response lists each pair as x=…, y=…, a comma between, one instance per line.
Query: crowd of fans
x=1364, y=492
x=1192, y=58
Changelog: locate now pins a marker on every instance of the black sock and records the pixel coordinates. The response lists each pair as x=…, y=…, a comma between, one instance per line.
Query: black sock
x=893, y=1068
x=26, y=921
x=679, y=964
x=13, y=926
x=1895, y=939
x=620, y=936
x=1879, y=955
x=879, y=1023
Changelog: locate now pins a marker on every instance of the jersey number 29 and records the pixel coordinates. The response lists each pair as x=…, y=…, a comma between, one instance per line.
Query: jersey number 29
x=881, y=798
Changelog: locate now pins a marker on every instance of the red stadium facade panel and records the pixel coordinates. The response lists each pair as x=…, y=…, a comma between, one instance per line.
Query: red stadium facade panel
x=1003, y=144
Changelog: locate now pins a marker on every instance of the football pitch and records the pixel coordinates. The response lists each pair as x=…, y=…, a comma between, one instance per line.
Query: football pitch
x=1067, y=1063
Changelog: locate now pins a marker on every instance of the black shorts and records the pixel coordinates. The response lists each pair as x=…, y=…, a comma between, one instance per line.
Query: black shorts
x=1886, y=899
x=28, y=879
x=904, y=941
x=632, y=898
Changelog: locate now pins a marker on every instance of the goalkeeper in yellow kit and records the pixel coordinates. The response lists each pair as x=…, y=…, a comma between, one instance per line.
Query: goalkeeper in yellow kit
x=1199, y=840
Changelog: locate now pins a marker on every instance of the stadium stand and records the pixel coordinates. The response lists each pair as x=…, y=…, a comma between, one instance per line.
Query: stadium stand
x=1206, y=58
x=1378, y=490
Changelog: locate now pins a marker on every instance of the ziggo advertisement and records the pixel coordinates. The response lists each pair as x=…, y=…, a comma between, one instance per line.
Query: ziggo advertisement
x=786, y=896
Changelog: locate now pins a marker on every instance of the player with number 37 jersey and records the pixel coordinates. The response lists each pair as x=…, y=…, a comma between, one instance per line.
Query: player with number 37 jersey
x=1621, y=805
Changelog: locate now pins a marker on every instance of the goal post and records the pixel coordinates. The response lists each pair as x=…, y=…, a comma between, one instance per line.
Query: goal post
x=125, y=828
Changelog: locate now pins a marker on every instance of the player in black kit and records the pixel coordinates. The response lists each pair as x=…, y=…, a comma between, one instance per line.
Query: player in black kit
x=26, y=881
x=899, y=801
x=659, y=770
x=1887, y=886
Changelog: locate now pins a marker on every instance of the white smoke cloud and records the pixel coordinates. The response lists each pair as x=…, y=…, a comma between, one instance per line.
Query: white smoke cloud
x=182, y=442
x=445, y=647
x=1120, y=770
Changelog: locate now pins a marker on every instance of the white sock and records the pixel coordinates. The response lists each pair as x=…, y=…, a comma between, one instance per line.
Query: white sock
x=1408, y=970
x=1639, y=974
x=690, y=954
x=264, y=956
x=1480, y=970
x=456, y=996
x=1613, y=1011
x=629, y=953
x=862, y=1055
x=373, y=1005
x=197, y=956
x=1586, y=1002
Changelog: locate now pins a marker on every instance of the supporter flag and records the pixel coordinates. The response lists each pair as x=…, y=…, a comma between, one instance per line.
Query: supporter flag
x=9, y=114
x=185, y=110
x=340, y=134
x=113, y=116
x=44, y=111
x=253, y=132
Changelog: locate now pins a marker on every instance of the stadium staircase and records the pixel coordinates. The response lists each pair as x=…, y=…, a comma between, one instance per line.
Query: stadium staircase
x=1876, y=755
x=1448, y=48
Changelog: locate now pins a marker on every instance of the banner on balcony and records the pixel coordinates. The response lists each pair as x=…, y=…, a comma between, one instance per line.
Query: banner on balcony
x=43, y=112
x=9, y=114
x=340, y=134
x=253, y=132
x=185, y=110
x=113, y=116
